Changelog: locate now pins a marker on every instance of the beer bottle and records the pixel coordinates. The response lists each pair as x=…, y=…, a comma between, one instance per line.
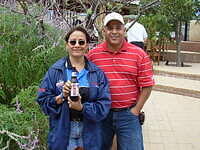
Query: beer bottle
x=74, y=94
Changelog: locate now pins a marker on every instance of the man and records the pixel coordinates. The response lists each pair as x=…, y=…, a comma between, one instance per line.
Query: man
x=136, y=34
x=129, y=71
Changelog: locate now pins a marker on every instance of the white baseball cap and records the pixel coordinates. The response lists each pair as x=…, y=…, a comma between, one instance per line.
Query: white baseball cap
x=113, y=16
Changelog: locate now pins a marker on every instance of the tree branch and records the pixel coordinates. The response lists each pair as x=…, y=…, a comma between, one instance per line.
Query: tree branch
x=32, y=140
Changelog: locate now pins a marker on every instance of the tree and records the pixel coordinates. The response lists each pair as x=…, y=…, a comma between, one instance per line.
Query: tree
x=177, y=12
x=65, y=13
x=174, y=13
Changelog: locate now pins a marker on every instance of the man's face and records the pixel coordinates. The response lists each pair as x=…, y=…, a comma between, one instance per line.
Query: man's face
x=114, y=33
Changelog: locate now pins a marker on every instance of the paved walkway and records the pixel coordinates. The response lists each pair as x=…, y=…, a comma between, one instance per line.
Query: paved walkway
x=193, y=68
x=173, y=121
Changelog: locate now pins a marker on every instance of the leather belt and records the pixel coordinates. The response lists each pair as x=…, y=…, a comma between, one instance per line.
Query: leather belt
x=76, y=119
x=122, y=109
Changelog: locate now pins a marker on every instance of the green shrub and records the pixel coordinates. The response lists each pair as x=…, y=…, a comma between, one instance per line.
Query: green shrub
x=24, y=120
x=26, y=53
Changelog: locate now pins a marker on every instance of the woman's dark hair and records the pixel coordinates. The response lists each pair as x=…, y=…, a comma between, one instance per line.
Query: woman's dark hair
x=78, y=28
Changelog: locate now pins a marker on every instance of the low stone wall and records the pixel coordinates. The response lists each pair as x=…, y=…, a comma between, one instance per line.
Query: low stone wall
x=186, y=46
x=190, y=52
x=192, y=57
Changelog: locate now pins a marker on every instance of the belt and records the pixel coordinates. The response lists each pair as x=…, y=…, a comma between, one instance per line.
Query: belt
x=76, y=119
x=122, y=109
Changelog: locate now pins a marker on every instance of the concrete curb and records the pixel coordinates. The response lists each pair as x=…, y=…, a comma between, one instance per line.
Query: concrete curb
x=179, y=91
x=178, y=75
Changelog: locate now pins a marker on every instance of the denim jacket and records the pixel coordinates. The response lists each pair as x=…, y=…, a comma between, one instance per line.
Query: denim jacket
x=94, y=110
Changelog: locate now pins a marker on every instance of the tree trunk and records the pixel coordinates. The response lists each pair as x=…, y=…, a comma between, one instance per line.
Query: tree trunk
x=178, y=44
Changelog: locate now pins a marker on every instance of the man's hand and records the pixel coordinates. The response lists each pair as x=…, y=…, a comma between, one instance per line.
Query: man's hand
x=135, y=111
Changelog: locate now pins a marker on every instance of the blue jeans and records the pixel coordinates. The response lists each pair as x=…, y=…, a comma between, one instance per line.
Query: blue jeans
x=127, y=128
x=75, y=138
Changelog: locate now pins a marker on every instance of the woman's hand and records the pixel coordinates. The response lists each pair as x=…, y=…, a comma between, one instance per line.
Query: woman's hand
x=76, y=105
x=65, y=93
x=59, y=99
x=66, y=89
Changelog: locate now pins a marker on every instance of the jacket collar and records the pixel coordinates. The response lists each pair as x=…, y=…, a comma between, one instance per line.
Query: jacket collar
x=64, y=63
x=68, y=63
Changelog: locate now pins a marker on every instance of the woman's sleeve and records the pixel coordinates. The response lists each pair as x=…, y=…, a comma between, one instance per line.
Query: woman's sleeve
x=46, y=95
x=98, y=109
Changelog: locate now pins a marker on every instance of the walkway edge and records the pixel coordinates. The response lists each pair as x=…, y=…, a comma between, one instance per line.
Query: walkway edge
x=179, y=75
x=179, y=91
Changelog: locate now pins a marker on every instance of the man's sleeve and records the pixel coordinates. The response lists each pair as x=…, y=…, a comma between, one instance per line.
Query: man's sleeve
x=145, y=72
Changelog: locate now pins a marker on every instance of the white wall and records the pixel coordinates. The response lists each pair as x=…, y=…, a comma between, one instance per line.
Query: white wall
x=194, y=31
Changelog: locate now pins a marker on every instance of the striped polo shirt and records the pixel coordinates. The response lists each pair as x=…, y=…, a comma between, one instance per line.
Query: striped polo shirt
x=127, y=70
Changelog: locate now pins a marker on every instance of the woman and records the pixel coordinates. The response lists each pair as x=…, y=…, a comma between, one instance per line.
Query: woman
x=74, y=123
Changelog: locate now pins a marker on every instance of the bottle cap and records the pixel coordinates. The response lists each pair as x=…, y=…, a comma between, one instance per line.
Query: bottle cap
x=74, y=74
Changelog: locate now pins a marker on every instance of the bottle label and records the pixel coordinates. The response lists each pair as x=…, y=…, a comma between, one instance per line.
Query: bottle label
x=75, y=89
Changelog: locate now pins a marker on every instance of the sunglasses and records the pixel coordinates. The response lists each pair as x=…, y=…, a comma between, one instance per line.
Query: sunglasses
x=80, y=42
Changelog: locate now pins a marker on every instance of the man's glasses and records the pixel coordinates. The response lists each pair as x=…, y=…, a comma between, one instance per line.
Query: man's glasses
x=80, y=42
